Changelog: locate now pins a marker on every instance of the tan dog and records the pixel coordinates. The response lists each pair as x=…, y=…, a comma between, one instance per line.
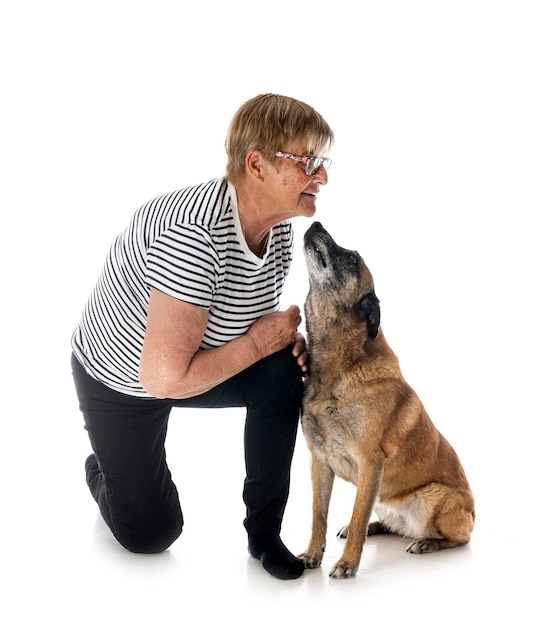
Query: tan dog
x=365, y=424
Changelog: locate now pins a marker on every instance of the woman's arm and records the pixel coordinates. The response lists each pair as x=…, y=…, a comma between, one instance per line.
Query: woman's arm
x=172, y=366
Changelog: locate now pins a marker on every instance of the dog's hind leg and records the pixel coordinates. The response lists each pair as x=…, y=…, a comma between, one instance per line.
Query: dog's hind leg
x=450, y=528
x=427, y=545
x=377, y=528
x=374, y=528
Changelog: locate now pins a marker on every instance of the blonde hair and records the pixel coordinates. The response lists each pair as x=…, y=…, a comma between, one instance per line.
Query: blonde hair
x=269, y=123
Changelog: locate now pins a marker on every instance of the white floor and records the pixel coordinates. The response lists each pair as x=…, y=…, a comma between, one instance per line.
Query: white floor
x=62, y=565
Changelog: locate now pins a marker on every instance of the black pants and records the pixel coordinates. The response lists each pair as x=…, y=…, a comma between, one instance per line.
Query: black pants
x=128, y=474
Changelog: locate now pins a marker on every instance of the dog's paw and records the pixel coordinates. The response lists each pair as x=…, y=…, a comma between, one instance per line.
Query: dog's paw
x=423, y=546
x=343, y=532
x=344, y=569
x=312, y=560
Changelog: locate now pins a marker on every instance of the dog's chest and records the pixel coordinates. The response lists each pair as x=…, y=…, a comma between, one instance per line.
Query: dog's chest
x=333, y=435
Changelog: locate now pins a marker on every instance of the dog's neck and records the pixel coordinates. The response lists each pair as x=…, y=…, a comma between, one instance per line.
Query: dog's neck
x=327, y=354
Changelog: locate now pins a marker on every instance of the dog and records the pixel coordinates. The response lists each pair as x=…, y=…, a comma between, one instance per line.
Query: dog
x=363, y=423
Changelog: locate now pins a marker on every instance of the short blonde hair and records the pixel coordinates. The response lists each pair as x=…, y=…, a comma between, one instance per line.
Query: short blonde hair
x=269, y=123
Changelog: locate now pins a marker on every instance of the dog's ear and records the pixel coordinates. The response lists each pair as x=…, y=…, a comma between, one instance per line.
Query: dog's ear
x=369, y=310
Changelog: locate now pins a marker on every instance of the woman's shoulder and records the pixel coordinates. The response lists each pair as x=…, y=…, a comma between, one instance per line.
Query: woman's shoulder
x=201, y=194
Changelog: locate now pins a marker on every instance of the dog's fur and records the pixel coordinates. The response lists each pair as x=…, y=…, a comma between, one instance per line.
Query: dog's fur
x=365, y=424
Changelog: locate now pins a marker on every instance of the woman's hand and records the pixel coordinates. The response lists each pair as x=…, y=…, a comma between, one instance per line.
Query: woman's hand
x=301, y=353
x=275, y=331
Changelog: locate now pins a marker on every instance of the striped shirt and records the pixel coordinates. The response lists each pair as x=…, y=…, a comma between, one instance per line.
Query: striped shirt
x=188, y=244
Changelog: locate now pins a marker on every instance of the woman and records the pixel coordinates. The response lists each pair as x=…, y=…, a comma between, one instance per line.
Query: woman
x=186, y=314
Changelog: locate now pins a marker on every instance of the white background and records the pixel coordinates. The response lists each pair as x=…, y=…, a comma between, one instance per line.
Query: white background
x=435, y=181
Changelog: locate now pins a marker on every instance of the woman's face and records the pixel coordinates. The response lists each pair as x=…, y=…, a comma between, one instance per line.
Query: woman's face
x=289, y=189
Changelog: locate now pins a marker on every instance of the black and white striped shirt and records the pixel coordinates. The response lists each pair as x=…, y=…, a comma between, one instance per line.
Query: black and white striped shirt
x=189, y=245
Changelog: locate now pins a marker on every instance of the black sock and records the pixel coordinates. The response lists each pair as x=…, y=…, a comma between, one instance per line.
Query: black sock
x=275, y=557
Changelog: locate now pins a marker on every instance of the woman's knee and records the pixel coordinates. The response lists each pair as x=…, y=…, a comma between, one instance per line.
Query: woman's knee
x=282, y=375
x=149, y=536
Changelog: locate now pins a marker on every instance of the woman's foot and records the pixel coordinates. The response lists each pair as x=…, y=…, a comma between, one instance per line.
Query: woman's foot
x=274, y=556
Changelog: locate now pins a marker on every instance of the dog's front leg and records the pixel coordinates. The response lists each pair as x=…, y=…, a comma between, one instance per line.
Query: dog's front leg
x=369, y=477
x=322, y=481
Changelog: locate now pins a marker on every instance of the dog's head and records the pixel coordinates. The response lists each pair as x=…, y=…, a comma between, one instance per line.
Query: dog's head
x=339, y=277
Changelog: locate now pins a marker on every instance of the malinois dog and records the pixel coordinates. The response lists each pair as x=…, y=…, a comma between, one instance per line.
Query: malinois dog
x=365, y=424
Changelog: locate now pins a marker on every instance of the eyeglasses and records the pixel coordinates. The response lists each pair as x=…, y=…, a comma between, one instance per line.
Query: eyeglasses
x=312, y=163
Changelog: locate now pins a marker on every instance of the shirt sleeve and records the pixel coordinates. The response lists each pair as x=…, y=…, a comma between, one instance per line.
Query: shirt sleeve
x=183, y=263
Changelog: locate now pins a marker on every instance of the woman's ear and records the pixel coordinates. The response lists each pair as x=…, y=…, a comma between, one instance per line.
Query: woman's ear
x=254, y=163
